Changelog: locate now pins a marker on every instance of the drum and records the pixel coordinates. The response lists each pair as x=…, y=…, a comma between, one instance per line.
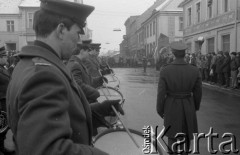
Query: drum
x=118, y=142
x=113, y=81
x=109, y=93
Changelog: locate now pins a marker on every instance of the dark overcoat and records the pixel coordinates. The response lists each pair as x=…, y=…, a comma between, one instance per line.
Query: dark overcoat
x=83, y=79
x=4, y=80
x=219, y=63
x=179, y=113
x=92, y=65
x=48, y=112
x=226, y=64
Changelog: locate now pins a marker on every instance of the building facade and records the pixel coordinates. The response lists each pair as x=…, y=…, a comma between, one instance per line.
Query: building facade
x=166, y=19
x=163, y=17
x=216, y=22
x=16, y=22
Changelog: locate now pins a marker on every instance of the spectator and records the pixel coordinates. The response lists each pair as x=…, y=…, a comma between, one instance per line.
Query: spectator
x=187, y=58
x=213, y=68
x=219, y=72
x=193, y=60
x=234, y=69
x=226, y=68
x=204, y=66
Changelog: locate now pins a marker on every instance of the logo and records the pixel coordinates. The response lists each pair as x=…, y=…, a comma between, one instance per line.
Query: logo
x=152, y=142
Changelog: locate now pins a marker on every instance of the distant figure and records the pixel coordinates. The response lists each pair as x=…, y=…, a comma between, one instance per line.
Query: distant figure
x=144, y=63
x=178, y=99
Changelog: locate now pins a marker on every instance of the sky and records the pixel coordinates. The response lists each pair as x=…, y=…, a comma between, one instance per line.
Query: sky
x=109, y=15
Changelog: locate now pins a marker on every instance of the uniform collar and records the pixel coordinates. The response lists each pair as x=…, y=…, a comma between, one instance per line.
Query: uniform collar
x=179, y=61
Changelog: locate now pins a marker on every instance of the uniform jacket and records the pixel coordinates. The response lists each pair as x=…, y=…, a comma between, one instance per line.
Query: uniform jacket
x=83, y=79
x=48, y=113
x=179, y=77
x=92, y=66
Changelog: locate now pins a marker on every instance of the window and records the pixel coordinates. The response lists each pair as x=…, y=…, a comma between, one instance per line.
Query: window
x=147, y=31
x=30, y=20
x=225, y=5
x=10, y=26
x=154, y=27
x=189, y=16
x=198, y=13
x=226, y=43
x=180, y=23
x=209, y=8
x=210, y=44
x=150, y=29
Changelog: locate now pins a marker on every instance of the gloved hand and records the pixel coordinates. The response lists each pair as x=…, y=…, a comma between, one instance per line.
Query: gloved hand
x=105, y=108
x=105, y=79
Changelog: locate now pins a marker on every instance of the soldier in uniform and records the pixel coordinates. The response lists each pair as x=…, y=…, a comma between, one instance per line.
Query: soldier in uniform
x=48, y=112
x=179, y=97
x=80, y=73
x=91, y=62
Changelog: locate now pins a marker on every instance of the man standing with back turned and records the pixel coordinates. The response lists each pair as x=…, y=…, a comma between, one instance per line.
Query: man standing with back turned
x=48, y=112
x=179, y=97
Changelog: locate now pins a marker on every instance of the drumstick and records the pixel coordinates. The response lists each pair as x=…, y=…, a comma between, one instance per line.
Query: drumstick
x=130, y=135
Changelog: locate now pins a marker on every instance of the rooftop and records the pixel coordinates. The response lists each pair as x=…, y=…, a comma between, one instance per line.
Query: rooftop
x=30, y=3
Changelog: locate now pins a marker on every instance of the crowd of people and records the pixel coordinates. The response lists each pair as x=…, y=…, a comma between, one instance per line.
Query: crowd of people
x=221, y=68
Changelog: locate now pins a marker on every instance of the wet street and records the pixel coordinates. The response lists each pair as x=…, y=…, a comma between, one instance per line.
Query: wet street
x=218, y=110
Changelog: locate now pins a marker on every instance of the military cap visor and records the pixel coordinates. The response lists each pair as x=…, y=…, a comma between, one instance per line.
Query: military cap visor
x=95, y=46
x=78, y=13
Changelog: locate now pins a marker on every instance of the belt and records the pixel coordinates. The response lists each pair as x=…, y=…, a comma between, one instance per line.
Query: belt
x=179, y=95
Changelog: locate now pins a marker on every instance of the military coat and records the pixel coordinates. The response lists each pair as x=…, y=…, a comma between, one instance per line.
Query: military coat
x=48, y=113
x=92, y=65
x=179, y=113
x=83, y=79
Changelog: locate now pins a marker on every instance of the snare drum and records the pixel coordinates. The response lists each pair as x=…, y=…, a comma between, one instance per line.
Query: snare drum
x=118, y=142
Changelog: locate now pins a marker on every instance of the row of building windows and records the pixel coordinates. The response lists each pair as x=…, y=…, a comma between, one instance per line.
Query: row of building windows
x=150, y=29
x=10, y=23
x=209, y=11
x=211, y=44
x=150, y=48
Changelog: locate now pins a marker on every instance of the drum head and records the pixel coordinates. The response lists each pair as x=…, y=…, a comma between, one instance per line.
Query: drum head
x=118, y=142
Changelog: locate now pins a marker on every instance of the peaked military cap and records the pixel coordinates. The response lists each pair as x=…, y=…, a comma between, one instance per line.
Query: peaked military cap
x=75, y=11
x=177, y=45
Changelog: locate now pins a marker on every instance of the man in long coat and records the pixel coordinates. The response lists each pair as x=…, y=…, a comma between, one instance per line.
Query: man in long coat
x=81, y=75
x=47, y=111
x=179, y=96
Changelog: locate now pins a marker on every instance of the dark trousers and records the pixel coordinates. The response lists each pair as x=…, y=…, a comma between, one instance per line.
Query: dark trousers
x=220, y=78
x=226, y=78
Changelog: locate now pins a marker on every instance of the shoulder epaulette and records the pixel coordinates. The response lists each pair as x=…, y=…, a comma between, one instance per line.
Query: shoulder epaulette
x=41, y=62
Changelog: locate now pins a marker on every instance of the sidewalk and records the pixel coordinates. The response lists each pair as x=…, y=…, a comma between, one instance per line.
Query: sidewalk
x=153, y=72
x=222, y=89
